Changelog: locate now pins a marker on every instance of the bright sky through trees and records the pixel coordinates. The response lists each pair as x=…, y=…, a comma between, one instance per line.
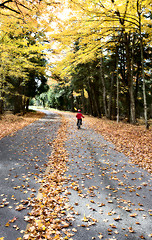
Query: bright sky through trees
x=79, y=35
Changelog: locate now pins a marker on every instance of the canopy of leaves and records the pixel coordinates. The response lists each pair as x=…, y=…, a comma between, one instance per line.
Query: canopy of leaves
x=110, y=31
x=97, y=25
x=23, y=61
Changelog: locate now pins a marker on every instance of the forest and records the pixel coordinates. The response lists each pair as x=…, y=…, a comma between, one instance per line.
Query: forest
x=96, y=55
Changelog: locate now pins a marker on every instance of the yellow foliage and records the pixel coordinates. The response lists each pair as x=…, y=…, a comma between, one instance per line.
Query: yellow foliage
x=93, y=24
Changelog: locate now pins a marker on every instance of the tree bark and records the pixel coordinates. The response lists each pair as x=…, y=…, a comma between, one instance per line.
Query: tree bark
x=83, y=101
x=90, y=101
x=27, y=104
x=72, y=101
x=110, y=95
x=144, y=86
x=96, y=102
x=142, y=66
x=1, y=101
x=118, y=111
x=2, y=93
x=104, y=87
x=1, y=106
x=130, y=79
x=17, y=104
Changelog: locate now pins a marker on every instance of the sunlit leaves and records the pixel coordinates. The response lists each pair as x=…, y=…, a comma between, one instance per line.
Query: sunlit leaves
x=16, y=51
x=94, y=24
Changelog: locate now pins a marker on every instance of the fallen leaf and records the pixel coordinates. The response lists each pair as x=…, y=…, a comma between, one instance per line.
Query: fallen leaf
x=117, y=218
x=131, y=230
x=7, y=224
x=85, y=219
x=100, y=236
x=142, y=237
x=101, y=205
x=133, y=215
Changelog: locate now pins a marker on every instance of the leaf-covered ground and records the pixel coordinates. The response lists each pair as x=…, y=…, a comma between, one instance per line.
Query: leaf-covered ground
x=23, y=161
x=52, y=215
x=10, y=123
x=134, y=141
x=111, y=195
x=59, y=211
x=48, y=217
x=89, y=190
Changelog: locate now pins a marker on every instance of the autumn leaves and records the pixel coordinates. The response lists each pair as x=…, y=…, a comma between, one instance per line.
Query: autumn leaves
x=105, y=190
x=48, y=217
x=89, y=191
x=132, y=140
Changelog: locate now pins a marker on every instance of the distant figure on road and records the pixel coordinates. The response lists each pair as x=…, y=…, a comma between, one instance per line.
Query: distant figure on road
x=79, y=117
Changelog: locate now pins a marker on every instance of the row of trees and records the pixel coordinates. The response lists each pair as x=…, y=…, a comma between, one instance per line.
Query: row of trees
x=23, y=60
x=106, y=63
x=101, y=53
x=22, y=68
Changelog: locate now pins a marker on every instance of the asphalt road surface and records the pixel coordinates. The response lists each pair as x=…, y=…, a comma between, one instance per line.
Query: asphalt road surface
x=23, y=159
x=111, y=197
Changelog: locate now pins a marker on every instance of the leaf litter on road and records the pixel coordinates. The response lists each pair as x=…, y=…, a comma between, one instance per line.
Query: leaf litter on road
x=10, y=123
x=48, y=218
x=132, y=140
x=52, y=216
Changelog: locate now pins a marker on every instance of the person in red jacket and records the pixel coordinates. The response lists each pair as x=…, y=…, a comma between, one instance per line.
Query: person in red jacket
x=79, y=117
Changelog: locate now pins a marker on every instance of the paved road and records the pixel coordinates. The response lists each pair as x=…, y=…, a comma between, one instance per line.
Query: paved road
x=23, y=159
x=112, y=197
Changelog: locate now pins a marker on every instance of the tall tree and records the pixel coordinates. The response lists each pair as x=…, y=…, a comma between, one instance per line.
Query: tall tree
x=22, y=60
x=90, y=21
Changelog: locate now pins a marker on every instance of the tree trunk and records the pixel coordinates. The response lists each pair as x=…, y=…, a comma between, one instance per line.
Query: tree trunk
x=93, y=107
x=27, y=104
x=2, y=95
x=144, y=86
x=110, y=96
x=90, y=101
x=96, y=102
x=72, y=101
x=142, y=66
x=104, y=87
x=1, y=106
x=17, y=104
x=118, y=111
x=83, y=101
x=1, y=101
x=130, y=79
x=23, y=104
x=136, y=91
